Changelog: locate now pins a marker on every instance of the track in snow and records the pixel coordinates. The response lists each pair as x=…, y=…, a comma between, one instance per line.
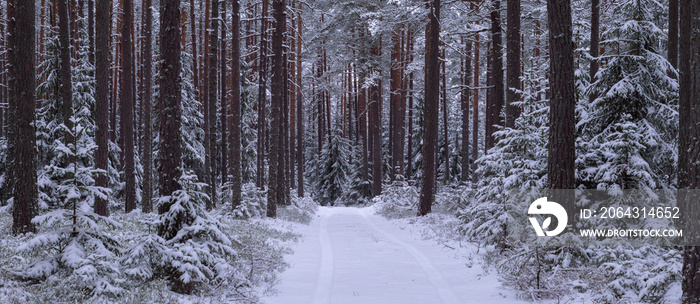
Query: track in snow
x=350, y=255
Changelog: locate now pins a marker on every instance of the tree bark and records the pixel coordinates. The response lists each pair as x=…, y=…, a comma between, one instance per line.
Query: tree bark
x=560, y=163
x=275, y=192
x=689, y=150
x=170, y=112
x=376, y=126
x=513, y=69
x=595, y=42
x=432, y=97
x=235, y=122
x=147, y=203
x=300, y=125
x=126, y=96
x=394, y=100
x=672, y=31
x=212, y=90
x=409, y=146
x=66, y=88
x=262, y=84
x=475, y=107
x=22, y=87
x=465, y=94
x=494, y=102
x=224, y=97
x=102, y=99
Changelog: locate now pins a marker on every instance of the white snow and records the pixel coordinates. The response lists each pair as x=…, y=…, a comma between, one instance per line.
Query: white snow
x=351, y=255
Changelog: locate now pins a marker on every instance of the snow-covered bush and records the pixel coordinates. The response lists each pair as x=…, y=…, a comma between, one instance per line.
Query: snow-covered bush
x=398, y=200
x=253, y=201
x=301, y=210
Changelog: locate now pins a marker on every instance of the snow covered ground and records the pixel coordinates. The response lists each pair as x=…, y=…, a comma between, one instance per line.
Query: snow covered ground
x=352, y=255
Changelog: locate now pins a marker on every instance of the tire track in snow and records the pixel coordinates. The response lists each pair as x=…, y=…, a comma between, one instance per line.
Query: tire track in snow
x=324, y=278
x=439, y=283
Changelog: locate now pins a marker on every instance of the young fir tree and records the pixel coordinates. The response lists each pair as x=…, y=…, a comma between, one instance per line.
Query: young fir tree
x=72, y=242
x=628, y=129
x=333, y=169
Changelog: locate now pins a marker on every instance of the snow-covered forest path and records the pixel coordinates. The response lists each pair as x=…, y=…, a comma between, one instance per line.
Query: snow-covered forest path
x=351, y=255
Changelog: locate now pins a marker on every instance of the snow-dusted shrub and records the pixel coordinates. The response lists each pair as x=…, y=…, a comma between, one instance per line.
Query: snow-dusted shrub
x=253, y=201
x=643, y=275
x=547, y=272
x=301, y=210
x=190, y=248
x=398, y=200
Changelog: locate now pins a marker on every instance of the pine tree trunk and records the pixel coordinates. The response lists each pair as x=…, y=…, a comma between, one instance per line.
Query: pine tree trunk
x=375, y=127
x=595, y=42
x=409, y=146
x=513, y=68
x=224, y=97
x=102, y=99
x=445, y=117
x=689, y=151
x=126, y=97
x=66, y=87
x=475, y=107
x=235, y=122
x=494, y=102
x=395, y=99
x=672, y=30
x=432, y=97
x=275, y=194
x=22, y=87
x=212, y=93
x=170, y=99
x=465, y=94
x=560, y=163
x=300, y=125
x=147, y=203
x=91, y=29
x=262, y=83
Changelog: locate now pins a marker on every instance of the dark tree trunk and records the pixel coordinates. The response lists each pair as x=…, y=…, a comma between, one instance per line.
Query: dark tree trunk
x=224, y=97
x=275, y=194
x=147, y=203
x=475, y=108
x=432, y=97
x=513, y=69
x=262, y=84
x=66, y=87
x=126, y=97
x=395, y=99
x=465, y=94
x=494, y=102
x=22, y=87
x=212, y=90
x=409, y=146
x=560, y=163
x=170, y=99
x=102, y=99
x=300, y=125
x=672, y=30
x=689, y=150
x=445, y=116
x=376, y=126
x=595, y=41
x=235, y=122
x=91, y=29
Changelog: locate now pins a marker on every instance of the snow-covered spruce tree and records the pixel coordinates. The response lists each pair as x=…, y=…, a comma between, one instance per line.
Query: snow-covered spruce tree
x=72, y=247
x=629, y=130
x=628, y=142
x=358, y=190
x=333, y=169
x=518, y=162
x=190, y=247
